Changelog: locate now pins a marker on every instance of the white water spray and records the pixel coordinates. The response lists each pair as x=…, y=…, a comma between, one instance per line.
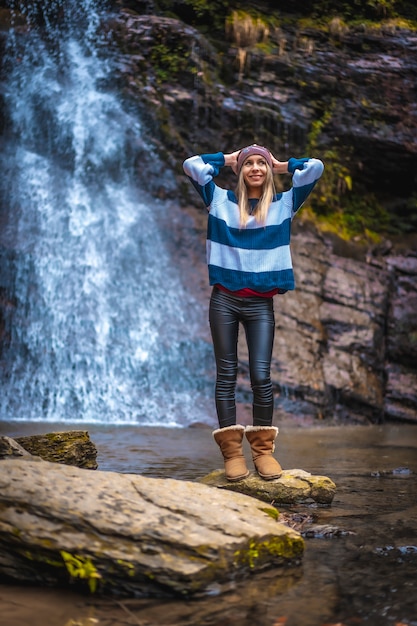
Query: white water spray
x=103, y=329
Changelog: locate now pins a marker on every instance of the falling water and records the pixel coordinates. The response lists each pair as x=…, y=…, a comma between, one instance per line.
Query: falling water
x=103, y=329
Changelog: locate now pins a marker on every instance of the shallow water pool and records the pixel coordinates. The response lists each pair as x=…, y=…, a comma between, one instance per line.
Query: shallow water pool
x=360, y=563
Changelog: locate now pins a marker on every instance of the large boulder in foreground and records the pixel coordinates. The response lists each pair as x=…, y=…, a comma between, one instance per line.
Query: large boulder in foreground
x=292, y=487
x=129, y=534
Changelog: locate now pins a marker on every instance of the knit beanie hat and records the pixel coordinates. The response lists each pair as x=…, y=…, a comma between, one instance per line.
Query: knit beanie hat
x=253, y=149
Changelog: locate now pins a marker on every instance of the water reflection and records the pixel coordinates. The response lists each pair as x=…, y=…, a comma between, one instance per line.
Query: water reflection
x=363, y=576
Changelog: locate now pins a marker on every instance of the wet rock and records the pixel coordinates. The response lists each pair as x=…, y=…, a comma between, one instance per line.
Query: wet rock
x=71, y=448
x=293, y=486
x=305, y=524
x=398, y=471
x=131, y=535
x=10, y=448
x=325, y=531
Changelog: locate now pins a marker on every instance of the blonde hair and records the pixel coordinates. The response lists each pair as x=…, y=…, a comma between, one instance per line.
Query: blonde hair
x=261, y=211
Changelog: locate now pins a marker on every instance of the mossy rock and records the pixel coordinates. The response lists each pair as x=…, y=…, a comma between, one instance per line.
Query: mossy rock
x=293, y=486
x=69, y=448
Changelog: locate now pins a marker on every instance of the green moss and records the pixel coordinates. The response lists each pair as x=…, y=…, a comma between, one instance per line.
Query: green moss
x=312, y=23
x=71, y=447
x=248, y=556
x=258, y=552
x=63, y=440
x=208, y=15
x=170, y=61
x=128, y=566
x=413, y=338
x=271, y=512
x=266, y=47
x=41, y=558
x=338, y=205
x=81, y=567
x=337, y=23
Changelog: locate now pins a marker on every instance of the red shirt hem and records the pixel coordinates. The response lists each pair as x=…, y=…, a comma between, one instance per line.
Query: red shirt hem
x=249, y=293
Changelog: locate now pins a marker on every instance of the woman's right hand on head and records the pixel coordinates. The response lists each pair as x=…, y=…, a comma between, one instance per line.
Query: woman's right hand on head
x=230, y=159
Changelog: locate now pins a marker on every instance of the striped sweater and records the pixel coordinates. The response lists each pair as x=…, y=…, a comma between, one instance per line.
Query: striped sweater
x=257, y=256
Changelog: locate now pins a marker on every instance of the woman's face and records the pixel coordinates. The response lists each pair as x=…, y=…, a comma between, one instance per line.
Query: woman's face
x=254, y=171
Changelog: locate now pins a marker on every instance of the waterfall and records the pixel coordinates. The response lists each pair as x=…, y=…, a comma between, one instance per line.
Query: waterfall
x=103, y=328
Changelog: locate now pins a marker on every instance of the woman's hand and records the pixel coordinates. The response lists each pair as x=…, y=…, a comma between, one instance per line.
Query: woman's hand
x=279, y=167
x=231, y=160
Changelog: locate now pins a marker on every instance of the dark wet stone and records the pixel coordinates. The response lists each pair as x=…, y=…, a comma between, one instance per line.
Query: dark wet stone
x=71, y=448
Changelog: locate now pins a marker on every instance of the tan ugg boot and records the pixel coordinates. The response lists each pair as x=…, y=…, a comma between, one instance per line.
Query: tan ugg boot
x=261, y=439
x=229, y=440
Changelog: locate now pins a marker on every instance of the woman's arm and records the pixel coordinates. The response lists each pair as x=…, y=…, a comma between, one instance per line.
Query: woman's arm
x=201, y=169
x=305, y=174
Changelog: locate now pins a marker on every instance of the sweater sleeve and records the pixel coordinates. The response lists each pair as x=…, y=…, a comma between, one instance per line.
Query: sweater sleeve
x=201, y=169
x=305, y=174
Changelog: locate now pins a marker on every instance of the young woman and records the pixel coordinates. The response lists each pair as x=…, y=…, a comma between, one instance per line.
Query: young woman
x=249, y=262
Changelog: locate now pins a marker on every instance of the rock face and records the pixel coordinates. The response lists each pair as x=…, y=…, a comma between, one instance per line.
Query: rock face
x=70, y=447
x=131, y=535
x=341, y=347
x=346, y=338
x=356, y=83
x=401, y=344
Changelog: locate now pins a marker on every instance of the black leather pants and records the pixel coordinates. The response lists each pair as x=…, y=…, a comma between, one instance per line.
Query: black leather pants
x=257, y=317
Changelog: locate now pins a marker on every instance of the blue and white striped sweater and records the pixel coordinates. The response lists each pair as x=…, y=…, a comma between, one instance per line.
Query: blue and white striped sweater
x=258, y=256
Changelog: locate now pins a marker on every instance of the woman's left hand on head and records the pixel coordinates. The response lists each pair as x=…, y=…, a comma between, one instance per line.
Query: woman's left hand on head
x=279, y=167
